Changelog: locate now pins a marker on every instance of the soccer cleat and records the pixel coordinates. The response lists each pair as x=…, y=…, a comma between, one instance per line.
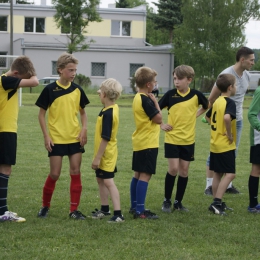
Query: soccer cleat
x=43, y=212
x=116, y=219
x=132, y=211
x=232, y=190
x=217, y=209
x=166, y=206
x=255, y=209
x=178, y=206
x=99, y=214
x=225, y=207
x=76, y=214
x=11, y=216
x=208, y=191
x=147, y=214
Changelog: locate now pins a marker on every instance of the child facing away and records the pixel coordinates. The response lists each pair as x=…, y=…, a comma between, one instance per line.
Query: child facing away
x=21, y=74
x=179, y=145
x=105, y=150
x=64, y=99
x=222, y=141
x=145, y=139
x=253, y=181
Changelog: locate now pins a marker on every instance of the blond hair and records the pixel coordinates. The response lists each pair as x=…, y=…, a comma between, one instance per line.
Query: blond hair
x=24, y=66
x=183, y=71
x=112, y=88
x=65, y=59
x=143, y=75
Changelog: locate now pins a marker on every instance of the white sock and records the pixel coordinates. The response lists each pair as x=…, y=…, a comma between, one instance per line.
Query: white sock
x=230, y=185
x=209, y=182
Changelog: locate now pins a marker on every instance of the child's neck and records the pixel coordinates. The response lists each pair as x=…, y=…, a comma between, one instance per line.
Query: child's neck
x=226, y=94
x=109, y=103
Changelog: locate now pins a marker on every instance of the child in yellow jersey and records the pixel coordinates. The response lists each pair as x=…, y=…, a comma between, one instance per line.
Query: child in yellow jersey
x=105, y=150
x=22, y=74
x=223, y=140
x=145, y=139
x=183, y=109
x=65, y=100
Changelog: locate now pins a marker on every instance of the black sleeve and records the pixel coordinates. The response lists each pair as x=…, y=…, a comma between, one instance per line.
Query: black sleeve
x=107, y=124
x=209, y=112
x=10, y=82
x=164, y=101
x=203, y=100
x=43, y=100
x=231, y=108
x=149, y=107
x=83, y=98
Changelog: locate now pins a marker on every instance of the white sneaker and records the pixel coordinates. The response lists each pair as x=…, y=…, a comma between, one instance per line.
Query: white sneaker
x=11, y=216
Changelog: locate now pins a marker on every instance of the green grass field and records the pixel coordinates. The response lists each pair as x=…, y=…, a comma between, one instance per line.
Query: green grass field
x=196, y=234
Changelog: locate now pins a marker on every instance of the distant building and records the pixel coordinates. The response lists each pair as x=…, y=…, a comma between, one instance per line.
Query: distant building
x=119, y=47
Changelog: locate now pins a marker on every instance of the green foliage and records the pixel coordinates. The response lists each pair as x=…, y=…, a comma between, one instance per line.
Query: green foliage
x=73, y=16
x=82, y=80
x=122, y=4
x=257, y=60
x=168, y=17
x=132, y=83
x=211, y=33
x=206, y=84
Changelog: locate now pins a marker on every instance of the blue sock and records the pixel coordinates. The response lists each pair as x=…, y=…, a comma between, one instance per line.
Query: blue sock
x=133, y=192
x=141, y=189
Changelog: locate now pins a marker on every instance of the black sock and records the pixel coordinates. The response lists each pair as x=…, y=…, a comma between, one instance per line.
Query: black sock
x=168, y=186
x=105, y=208
x=253, y=184
x=217, y=201
x=3, y=193
x=181, y=187
x=117, y=213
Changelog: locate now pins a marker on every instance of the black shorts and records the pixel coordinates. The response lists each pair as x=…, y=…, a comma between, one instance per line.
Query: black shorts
x=8, y=147
x=104, y=174
x=145, y=160
x=66, y=149
x=223, y=162
x=255, y=154
x=184, y=152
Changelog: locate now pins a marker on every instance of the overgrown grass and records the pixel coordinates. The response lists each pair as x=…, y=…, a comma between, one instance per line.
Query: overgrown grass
x=197, y=234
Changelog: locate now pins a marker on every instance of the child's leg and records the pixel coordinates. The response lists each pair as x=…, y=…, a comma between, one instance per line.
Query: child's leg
x=49, y=186
x=223, y=184
x=215, y=183
x=133, y=185
x=113, y=191
x=75, y=184
x=141, y=190
x=182, y=180
x=253, y=185
x=103, y=193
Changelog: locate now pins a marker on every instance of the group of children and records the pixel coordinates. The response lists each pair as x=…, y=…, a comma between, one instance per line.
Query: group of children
x=64, y=99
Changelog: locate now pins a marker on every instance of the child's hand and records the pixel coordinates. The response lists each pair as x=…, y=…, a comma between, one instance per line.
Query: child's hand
x=95, y=164
x=152, y=97
x=230, y=138
x=82, y=137
x=48, y=143
x=166, y=127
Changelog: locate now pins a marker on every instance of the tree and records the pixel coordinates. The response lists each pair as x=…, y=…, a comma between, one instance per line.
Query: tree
x=122, y=4
x=73, y=16
x=168, y=17
x=211, y=33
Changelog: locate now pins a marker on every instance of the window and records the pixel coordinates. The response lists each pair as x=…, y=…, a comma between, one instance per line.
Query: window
x=54, y=68
x=3, y=23
x=133, y=68
x=98, y=69
x=3, y=60
x=121, y=28
x=34, y=25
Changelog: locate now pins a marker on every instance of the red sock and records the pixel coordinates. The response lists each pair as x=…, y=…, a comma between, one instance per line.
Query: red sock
x=75, y=191
x=48, y=189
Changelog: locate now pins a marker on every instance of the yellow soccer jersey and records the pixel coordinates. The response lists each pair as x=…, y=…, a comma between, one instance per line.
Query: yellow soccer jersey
x=146, y=134
x=106, y=128
x=219, y=142
x=64, y=103
x=8, y=103
x=182, y=110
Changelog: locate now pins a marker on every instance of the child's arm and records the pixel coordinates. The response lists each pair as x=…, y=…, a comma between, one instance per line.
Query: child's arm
x=158, y=117
x=227, y=121
x=82, y=137
x=101, y=150
x=31, y=82
x=201, y=111
x=47, y=140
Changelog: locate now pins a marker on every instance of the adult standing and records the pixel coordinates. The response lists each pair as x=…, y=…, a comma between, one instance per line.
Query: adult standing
x=244, y=61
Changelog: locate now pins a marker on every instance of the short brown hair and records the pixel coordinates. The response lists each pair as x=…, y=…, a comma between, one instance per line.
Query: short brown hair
x=224, y=81
x=65, y=59
x=112, y=88
x=143, y=75
x=24, y=66
x=183, y=71
x=243, y=52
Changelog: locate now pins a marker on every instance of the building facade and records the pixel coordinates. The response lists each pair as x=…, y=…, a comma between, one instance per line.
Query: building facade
x=118, y=47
